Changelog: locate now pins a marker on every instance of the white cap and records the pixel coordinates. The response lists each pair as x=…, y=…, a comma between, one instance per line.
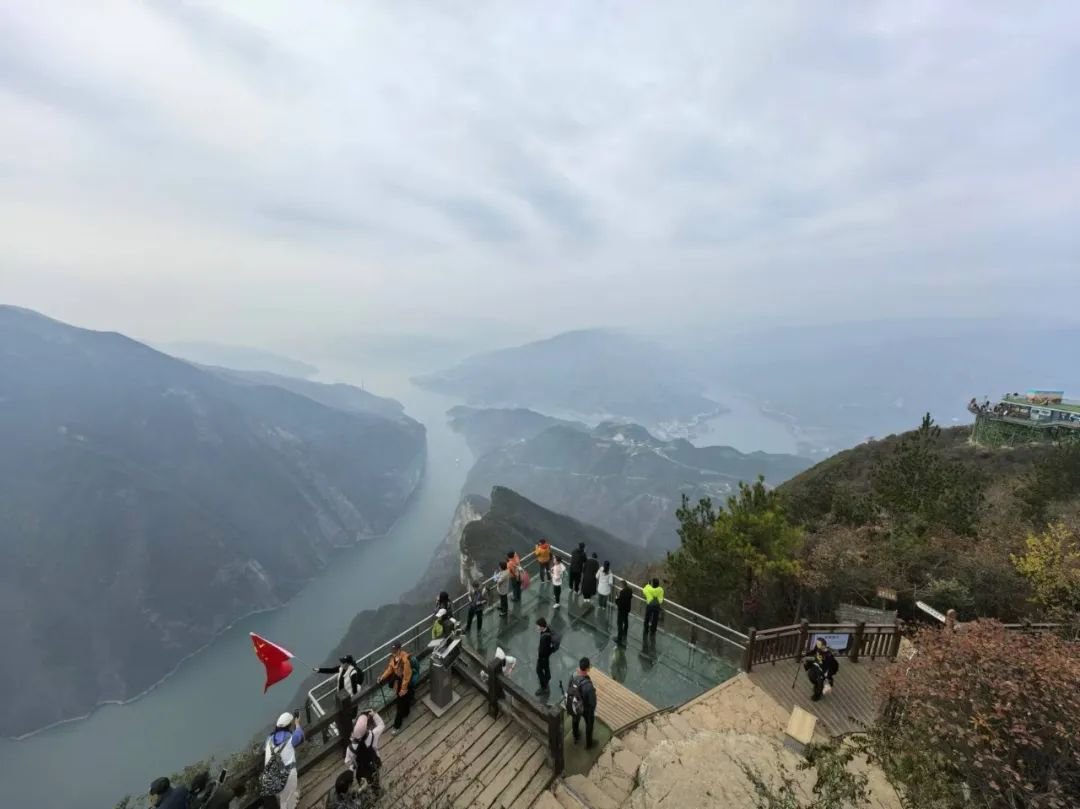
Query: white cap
x=440, y=613
x=285, y=720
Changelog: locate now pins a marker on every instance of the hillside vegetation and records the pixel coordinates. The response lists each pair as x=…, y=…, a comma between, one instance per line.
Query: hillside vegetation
x=924, y=513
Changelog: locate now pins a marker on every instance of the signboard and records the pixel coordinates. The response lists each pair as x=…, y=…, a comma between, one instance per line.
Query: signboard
x=922, y=605
x=886, y=593
x=838, y=641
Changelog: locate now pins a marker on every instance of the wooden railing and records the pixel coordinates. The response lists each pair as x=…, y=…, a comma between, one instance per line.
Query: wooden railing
x=794, y=641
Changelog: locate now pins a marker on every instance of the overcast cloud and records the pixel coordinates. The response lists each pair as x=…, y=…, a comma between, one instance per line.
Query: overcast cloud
x=252, y=170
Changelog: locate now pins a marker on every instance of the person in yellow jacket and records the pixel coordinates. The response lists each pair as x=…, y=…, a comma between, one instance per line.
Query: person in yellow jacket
x=542, y=552
x=654, y=600
x=398, y=674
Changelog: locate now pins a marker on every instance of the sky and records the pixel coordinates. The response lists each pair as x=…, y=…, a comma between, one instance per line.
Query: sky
x=256, y=172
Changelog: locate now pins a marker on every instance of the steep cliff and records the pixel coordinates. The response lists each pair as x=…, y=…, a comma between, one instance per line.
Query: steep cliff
x=147, y=503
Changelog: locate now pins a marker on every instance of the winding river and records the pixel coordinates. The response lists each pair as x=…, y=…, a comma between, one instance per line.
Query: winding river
x=214, y=701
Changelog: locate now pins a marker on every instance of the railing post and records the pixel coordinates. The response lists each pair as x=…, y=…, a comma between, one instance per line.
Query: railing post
x=856, y=645
x=493, y=671
x=748, y=654
x=555, y=737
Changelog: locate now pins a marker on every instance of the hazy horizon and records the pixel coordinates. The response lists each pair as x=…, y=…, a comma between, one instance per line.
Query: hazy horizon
x=268, y=174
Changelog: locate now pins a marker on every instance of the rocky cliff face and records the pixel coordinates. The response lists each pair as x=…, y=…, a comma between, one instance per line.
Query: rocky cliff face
x=615, y=476
x=147, y=503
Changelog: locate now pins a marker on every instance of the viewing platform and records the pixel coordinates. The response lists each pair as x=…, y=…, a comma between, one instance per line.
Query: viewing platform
x=498, y=745
x=1037, y=415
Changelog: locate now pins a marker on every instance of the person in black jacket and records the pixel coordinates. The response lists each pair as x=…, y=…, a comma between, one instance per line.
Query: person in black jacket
x=477, y=601
x=821, y=668
x=623, y=603
x=543, y=657
x=588, y=577
x=581, y=687
x=577, y=564
x=164, y=795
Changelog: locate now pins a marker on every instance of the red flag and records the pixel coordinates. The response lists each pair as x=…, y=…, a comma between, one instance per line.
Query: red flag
x=274, y=658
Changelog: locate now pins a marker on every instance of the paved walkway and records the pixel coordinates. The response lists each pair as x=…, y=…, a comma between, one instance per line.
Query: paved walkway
x=697, y=755
x=849, y=707
x=464, y=759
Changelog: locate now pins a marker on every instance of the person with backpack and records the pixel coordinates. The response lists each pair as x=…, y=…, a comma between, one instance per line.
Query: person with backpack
x=557, y=571
x=278, y=777
x=444, y=626
x=362, y=752
x=589, y=577
x=549, y=644
x=821, y=668
x=399, y=675
x=581, y=703
x=513, y=567
x=605, y=580
x=345, y=795
x=477, y=601
x=623, y=604
x=542, y=552
x=502, y=587
x=164, y=795
x=654, y=601
x=577, y=565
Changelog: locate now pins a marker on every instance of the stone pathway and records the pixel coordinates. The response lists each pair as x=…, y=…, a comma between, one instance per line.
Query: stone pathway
x=696, y=756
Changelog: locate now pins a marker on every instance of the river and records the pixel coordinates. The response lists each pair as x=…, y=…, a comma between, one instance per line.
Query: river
x=213, y=703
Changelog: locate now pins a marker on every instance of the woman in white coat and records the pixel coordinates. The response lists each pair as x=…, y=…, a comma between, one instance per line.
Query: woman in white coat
x=605, y=580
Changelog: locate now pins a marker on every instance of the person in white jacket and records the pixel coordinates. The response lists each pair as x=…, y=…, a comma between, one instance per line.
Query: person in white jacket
x=362, y=752
x=557, y=570
x=605, y=580
x=284, y=740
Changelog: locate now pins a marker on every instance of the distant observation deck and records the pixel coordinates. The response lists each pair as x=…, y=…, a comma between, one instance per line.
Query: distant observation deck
x=1037, y=415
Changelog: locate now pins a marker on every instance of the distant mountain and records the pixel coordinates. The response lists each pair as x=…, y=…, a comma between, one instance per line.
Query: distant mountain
x=145, y=504
x=488, y=429
x=338, y=395
x=241, y=357
x=843, y=383
x=592, y=374
x=616, y=476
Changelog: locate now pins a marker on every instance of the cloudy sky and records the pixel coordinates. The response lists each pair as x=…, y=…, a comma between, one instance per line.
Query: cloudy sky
x=251, y=170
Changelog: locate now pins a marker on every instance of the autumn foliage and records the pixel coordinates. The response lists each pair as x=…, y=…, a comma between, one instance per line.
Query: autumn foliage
x=984, y=717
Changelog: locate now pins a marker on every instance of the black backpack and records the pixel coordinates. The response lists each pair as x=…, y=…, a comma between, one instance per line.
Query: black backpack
x=575, y=700
x=556, y=641
x=275, y=774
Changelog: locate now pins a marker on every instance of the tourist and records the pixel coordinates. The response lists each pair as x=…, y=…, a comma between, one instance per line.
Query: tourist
x=513, y=566
x=557, y=570
x=581, y=703
x=398, y=675
x=443, y=602
x=654, y=601
x=542, y=552
x=280, y=752
x=444, y=626
x=623, y=603
x=589, y=574
x=349, y=675
x=362, y=753
x=577, y=564
x=164, y=795
x=502, y=587
x=822, y=668
x=477, y=600
x=605, y=580
x=543, y=656
x=345, y=796
x=508, y=663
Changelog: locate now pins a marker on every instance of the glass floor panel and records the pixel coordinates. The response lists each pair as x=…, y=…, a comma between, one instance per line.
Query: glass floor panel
x=665, y=671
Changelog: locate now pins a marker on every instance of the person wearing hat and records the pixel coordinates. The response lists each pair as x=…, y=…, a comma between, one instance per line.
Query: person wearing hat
x=397, y=675
x=287, y=736
x=349, y=676
x=164, y=795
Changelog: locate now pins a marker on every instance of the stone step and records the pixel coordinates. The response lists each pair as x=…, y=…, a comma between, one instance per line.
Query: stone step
x=680, y=724
x=594, y=796
x=546, y=800
x=636, y=743
x=567, y=799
